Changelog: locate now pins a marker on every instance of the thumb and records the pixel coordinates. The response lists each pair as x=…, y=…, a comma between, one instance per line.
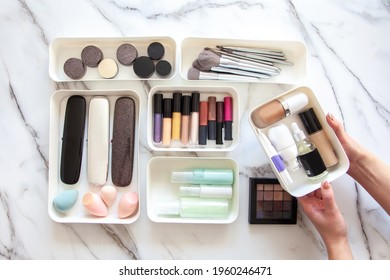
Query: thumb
x=328, y=196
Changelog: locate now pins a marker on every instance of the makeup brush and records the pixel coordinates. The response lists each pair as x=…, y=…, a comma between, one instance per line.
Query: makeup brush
x=220, y=69
x=209, y=59
x=268, y=56
x=248, y=60
x=253, y=50
x=195, y=74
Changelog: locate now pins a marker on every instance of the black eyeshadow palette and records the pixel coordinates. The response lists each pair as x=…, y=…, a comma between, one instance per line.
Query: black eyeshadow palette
x=269, y=203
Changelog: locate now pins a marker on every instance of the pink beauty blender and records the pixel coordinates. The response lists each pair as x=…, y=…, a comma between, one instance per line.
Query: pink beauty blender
x=128, y=205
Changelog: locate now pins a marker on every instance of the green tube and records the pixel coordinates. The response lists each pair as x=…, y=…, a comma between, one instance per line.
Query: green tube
x=212, y=176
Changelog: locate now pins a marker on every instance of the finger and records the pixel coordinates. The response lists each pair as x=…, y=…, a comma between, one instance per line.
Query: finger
x=318, y=194
x=328, y=196
x=337, y=128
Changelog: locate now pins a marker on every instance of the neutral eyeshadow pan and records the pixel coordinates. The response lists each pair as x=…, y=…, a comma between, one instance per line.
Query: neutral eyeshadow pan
x=269, y=203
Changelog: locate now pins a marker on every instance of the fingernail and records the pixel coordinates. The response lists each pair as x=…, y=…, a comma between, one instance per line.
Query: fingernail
x=325, y=185
x=330, y=116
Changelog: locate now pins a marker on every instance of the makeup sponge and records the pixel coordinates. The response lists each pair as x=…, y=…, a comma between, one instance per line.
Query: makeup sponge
x=94, y=204
x=128, y=205
x=65, y=200
x=108, y=195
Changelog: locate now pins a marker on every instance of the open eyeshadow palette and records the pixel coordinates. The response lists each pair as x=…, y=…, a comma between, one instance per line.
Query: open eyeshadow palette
x=269, y=203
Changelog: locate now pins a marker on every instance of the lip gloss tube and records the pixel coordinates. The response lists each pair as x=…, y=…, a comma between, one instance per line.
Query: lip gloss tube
x=228, y=117
x=203, y=122
x=157, y=117
x=211, y=118
x=219, y=129
x=167, y=121
x=185, y=120
x=176, y=115
x=195, y=97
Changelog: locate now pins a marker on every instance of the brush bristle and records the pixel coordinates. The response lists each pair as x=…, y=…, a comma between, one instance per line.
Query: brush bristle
x=208, y=59
x=193, y=74
x=197, y=65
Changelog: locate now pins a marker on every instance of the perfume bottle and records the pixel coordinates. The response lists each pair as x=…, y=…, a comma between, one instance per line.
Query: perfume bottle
x=308, y=155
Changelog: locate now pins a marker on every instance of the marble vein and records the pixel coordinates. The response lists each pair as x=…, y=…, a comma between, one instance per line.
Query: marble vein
x=382, y=111
x=31, y=130
x=132, y=253
x=34, y=21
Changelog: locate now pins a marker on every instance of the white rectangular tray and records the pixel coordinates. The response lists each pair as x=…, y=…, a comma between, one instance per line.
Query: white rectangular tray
x=63, y=48
x=205, y=91
x=159, y=187
x=78, y=214
x=301, y=184
x=295, y=52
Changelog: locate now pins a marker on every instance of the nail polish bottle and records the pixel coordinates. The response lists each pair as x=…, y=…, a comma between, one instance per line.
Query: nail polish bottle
x=318, y=137
x=308, y=155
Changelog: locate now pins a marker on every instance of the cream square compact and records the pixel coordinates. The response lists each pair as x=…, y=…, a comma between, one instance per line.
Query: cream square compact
x=301, y=147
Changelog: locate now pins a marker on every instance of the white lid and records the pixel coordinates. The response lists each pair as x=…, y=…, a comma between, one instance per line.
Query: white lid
x=284, y=144
x=280, y=137
x=208, y=191
x=295, y=102
x=168, y=208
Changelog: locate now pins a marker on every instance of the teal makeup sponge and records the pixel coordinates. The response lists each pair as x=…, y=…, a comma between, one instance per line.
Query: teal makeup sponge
x=65, y=200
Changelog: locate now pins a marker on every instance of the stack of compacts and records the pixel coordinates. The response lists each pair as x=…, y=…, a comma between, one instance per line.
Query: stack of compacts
x=187, y=120
x=126, y=54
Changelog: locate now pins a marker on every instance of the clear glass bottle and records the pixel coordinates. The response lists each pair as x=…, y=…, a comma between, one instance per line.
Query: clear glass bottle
x=308, y=155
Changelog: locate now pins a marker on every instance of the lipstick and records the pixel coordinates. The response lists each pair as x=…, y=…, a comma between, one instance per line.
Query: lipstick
x=219, y=129
x=176, y=115
x=228, y=117
x=195, y=96
x=157, y=117
x=212, y=117
x=203, y=122
x=185, y=120
x=167, y=121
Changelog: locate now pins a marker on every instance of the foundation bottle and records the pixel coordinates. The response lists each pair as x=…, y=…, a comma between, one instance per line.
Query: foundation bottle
x=318, y=137
x=308, y=155
x=278, y=109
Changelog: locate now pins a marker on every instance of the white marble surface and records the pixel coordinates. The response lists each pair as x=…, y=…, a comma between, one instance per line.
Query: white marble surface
x=348, y=68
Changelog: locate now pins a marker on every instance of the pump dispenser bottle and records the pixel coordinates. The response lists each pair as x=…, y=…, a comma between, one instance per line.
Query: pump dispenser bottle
x=308, y=155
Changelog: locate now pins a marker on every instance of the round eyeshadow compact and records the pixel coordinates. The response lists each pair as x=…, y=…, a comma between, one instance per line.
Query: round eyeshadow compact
x=108, y=68
x=156, y=50
x=143, y=67
x=74, y=68
x=91, y=56
x=163, y=68
x=126, y=54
